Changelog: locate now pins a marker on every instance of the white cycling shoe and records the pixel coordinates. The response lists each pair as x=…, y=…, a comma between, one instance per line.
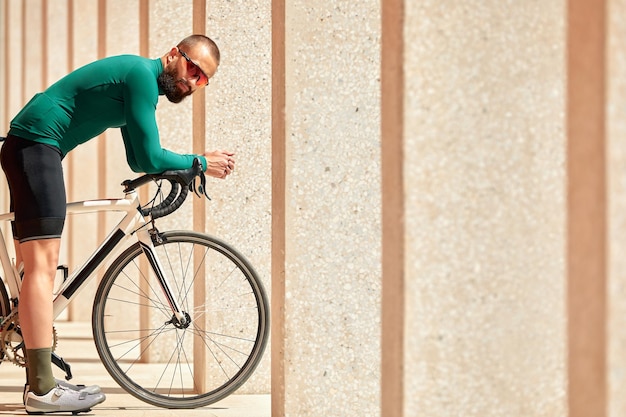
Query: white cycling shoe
x=91, y=389
x=62, y=400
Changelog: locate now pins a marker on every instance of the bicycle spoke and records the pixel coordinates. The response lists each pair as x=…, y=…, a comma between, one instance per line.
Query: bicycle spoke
x=172, y=269
x=142, y=293
x=176, y=349
x=152, y=306
x=150, y=286
x=219, y=346
x=120, y=357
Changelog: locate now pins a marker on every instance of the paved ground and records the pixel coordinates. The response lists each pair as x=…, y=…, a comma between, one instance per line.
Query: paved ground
x=76, y=339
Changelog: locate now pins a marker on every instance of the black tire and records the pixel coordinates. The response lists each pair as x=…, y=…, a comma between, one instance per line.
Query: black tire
x=5, y=309
x=5, y=303
x=154, y=361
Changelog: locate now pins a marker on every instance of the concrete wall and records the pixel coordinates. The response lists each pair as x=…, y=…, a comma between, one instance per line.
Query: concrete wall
x=485, y=218
x=332, y=207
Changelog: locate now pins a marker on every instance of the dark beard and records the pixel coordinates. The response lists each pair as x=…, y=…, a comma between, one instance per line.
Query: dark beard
x=168, y=84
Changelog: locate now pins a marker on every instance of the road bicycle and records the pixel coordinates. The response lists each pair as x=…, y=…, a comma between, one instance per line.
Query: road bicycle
x=180, y=319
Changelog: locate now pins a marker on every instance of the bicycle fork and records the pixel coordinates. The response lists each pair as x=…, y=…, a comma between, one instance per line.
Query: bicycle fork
x=147, y=240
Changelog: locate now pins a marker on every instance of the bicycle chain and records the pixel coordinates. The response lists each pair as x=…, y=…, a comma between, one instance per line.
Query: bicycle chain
x=12, y=343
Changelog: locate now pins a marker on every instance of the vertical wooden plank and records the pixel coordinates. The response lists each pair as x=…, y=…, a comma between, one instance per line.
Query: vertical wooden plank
x=31, y=54
x=144, y=28
x=6, y=114
x=70, y=65
x=71, y=169
x=15, y=57
x=278, y=208
x=144, y=50
x=23, y=56
x=392, y=165
x=144, y=312
x=199, y=115
x=6, y=60
x=44, y=43
x=102, y=152
x=587, y=206
x=199, y=213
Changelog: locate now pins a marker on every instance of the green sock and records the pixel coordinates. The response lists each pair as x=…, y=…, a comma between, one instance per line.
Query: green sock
x=40, y=376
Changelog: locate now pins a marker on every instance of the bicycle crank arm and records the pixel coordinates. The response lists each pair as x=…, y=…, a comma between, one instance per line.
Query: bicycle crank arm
x=64, y=366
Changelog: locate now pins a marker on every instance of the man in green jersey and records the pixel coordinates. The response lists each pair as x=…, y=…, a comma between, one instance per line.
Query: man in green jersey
x=121, y=92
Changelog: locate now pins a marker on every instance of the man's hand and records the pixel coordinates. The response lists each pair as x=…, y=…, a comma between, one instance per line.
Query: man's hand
x=219, y=163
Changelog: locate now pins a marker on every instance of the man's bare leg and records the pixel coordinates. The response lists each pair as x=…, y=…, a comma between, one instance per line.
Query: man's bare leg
x=40, y=259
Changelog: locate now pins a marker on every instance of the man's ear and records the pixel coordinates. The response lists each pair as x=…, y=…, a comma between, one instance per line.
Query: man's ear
x=173, y=52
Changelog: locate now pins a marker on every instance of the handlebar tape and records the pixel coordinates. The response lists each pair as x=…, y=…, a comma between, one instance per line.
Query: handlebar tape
x=181, y=181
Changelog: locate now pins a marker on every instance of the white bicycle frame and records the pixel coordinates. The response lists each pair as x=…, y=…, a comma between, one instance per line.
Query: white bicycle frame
x=133, y=223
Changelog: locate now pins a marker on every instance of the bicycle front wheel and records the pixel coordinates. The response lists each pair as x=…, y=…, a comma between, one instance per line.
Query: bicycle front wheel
x=162, y=362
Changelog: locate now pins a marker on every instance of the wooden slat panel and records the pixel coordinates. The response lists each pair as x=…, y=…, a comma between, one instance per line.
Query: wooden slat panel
x=587, y=208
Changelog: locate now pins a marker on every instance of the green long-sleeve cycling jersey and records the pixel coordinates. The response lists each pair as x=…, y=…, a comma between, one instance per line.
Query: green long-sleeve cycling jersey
x=119, y=91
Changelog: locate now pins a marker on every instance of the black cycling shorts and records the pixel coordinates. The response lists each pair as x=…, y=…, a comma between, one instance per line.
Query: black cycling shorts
x=35, y=176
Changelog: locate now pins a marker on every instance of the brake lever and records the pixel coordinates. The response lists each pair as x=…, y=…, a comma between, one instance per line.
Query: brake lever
x=201, y=188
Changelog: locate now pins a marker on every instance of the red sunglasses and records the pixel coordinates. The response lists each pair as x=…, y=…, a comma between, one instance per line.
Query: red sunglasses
x=195, y=70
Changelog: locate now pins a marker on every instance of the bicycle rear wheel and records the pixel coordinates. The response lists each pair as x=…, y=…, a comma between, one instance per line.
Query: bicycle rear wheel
x=5, y=303
x=5, y=309
x=174, y=366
